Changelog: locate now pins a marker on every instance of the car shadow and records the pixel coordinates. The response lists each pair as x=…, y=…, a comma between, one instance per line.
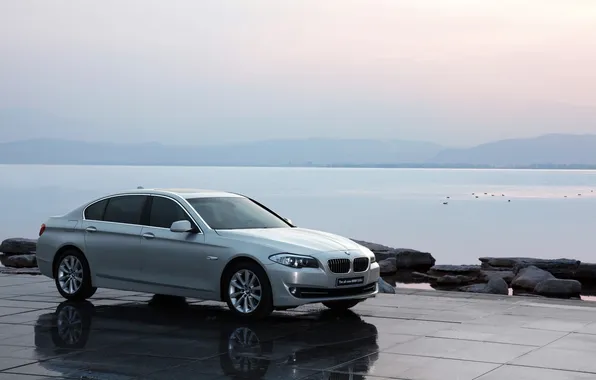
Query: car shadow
x=174, y=339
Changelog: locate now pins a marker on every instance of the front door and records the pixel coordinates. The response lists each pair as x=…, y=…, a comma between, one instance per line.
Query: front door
x=113, y=239
x=175, y=260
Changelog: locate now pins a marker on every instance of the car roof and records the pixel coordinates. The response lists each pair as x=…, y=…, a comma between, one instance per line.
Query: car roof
x=187, y=193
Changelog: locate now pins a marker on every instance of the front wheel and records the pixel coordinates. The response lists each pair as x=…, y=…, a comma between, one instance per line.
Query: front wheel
x=341, y=305
x=73, y=276
x=248, y=291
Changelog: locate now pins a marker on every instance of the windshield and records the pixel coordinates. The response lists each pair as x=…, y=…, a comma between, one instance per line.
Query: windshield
x=235, y=213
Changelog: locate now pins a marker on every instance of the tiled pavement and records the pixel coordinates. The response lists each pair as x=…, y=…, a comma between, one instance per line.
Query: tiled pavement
x=422, y=335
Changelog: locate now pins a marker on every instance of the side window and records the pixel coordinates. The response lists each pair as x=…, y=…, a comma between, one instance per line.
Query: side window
x=125, y=209
x=96, y=210
x=164, y=212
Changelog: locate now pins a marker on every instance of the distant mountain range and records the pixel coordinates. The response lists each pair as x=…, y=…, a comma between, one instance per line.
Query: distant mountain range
x=556, y=150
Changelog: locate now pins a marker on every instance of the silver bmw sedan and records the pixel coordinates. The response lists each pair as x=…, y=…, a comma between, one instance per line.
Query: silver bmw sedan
x=204, y=244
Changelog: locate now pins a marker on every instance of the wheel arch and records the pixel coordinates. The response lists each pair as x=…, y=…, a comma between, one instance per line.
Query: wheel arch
x=60, y=251
x=238, y=259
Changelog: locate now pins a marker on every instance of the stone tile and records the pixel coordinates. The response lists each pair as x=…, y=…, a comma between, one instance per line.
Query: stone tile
x=573, y=341
x=415, y=367
x=461, y=349
x=407, y=327
x=529, y=373
x=8, y=363
x=562, y=359
x=555, y=325
x=500, y=334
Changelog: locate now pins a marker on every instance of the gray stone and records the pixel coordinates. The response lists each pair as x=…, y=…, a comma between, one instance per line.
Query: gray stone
x=555, y=287
x=447, y=280
x=495, y=285
x=19, y=261
x=506, y=275
x=528, y=277
x=557, y=267
x=405, y=258
x=466, y=270
x=388, y=266
x=384, y=287
x=18, y=246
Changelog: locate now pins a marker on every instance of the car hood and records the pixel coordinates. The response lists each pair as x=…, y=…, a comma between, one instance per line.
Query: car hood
x=290, y=239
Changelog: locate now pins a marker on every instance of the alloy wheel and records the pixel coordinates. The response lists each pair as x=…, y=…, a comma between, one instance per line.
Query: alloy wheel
x=245, y=291
x=70, y=274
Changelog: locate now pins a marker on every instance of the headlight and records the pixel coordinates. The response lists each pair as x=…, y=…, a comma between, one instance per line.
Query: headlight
x=295, y=261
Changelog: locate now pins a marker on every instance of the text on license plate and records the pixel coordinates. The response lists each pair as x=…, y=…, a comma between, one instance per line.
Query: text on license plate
x=349, y=281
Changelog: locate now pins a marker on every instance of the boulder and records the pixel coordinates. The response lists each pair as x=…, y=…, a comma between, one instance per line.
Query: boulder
x=559, y=288
x=19, y=261
x=506, y=275
x=384, y=287
x=465, y=270
x=405, y=258
x=557, y=267
x=18, y=246
x=528, y=277
x=388, y=266
x=586, y=273
x=495, y=285
x=447, y=280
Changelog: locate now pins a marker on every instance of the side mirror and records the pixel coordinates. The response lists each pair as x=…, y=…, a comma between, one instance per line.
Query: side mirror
x=181, y=226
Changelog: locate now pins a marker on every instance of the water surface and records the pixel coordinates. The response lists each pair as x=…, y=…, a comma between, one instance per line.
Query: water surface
x=399, y=207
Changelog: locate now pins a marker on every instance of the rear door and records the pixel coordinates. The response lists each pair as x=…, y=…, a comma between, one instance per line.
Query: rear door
x=112, y=229
x=174, y=259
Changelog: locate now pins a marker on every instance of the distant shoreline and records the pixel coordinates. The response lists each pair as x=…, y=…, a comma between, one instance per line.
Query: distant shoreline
x=326, y=166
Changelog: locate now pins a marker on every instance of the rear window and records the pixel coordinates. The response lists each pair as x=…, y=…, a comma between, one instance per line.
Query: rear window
x=96, y=210
x=125, y=209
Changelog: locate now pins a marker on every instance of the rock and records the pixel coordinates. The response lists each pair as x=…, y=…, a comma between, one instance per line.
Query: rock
x=557, y=267
x=586, y=273
x=495, y=285
x=451, y=280
x=385, y=287
x=18, y=246
x=405, y=258
x=410, y=259
x=388, y=266
x=528, y=277
x=447, y=280
x=555, y=287
x=19, y=261
x=506, y=275
x=466, y=270
x=31, y=271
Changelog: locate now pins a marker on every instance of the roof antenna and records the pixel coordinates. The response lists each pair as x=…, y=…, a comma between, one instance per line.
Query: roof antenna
x=140, y=187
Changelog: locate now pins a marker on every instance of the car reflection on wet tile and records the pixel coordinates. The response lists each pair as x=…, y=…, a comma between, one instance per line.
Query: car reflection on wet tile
x=175, y=340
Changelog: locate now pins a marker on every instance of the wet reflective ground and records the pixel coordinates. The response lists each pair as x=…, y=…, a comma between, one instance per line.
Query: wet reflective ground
x=413, y=335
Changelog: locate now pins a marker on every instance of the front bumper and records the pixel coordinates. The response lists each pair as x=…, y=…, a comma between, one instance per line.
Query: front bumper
x=294, y=287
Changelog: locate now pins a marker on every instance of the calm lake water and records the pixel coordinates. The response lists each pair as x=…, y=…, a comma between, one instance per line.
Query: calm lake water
x=397, y=207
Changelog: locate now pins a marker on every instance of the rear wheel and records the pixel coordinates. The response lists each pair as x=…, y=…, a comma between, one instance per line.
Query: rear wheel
x=73, y=276
x=248, y=291
x=341, y=305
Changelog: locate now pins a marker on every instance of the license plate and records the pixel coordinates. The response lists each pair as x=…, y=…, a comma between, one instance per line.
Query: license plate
x=349, y=281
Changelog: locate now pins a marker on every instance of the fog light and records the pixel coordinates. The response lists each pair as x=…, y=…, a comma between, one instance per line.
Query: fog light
x=293, y=291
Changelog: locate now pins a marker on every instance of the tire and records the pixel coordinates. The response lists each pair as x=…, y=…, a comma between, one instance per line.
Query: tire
x=341, y=305
x=75, y=261
x=247, y=303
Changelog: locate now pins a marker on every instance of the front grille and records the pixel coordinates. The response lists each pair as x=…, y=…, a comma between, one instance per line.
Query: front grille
x=331, y=293
x=360, y=264
x=339, y=265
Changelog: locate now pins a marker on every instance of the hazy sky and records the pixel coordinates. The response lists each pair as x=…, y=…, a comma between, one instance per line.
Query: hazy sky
x=450, y=71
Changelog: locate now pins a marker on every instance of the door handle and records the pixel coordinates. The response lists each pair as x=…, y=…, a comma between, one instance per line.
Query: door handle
x=90, y=229
x=148, y=235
